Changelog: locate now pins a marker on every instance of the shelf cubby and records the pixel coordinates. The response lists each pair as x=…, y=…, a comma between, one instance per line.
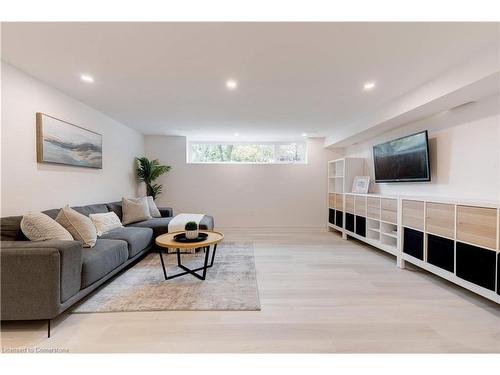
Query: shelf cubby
x=373, y=224
x=390, y=230
x=389, y=210
x=441, y=252
x=476, y=265
x=413, y=243
x=361, y=226
x=373, y=207
x=349, y=203
x=477, y=226
x=389, y=240
x=413, y=214
x=331, y=216
x=339, y=218
x=373, y=229
x=498, y=273
x=440, y=219
x=349, y=222
x=331, y=200
x=360, y=205
x=373, y=235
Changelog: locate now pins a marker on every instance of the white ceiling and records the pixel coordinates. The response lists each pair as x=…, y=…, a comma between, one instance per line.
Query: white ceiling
x=168, y=78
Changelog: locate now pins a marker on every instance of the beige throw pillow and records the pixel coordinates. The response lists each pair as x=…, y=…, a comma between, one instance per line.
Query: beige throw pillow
x=41, y=227
x=80, y=226
x=105, y=222
x=135, y=209
x=153, y=209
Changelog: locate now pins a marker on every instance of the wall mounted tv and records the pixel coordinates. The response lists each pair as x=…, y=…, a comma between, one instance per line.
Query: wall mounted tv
x=404, y=159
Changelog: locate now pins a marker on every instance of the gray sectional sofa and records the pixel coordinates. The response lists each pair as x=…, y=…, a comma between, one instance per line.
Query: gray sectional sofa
x=40, y=280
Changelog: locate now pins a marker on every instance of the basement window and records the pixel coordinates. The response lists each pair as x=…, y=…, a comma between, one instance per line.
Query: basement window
x=247, y=153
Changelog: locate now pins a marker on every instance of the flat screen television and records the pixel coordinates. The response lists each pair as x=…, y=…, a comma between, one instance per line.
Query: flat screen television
x=405, y=159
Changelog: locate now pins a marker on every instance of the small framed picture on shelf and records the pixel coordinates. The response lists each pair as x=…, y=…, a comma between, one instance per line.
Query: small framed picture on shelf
x=361, y=184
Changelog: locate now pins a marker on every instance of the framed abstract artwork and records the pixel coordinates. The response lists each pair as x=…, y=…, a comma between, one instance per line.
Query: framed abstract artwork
x=59, y=142
x=361, y=184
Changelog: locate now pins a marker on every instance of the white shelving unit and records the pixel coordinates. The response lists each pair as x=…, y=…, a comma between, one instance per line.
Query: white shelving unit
x=456, y=240
x=341, y=173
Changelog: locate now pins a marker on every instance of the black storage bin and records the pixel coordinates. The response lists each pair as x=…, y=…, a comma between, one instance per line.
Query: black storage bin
x=413, y=243
x=441, y=252
x=498, y=274
x=338, y=218
x=349, y=222
x=331, y=216
x=476, y=264
x=361, y=226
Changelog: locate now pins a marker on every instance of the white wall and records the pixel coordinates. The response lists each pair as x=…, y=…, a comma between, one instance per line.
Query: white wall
x=245, y=195
x=464, y=153
x=30, y=186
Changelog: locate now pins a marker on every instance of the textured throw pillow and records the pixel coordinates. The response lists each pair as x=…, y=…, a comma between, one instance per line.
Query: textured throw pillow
x=105, y=222
x=41, y=227
x=135, y=209
x=80, y=226
x=153, y=209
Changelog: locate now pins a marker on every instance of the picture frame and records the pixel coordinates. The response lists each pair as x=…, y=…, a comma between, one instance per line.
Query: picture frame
x=60, y=142
x=361, y=184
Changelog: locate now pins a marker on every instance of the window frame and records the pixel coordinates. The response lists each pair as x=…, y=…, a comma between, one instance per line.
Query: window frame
x=276, y=145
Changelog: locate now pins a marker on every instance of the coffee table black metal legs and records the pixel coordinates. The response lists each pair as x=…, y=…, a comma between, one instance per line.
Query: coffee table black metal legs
x=193, y=272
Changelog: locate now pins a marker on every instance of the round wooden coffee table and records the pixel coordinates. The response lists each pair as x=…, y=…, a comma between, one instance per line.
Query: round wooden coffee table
x=167, y=241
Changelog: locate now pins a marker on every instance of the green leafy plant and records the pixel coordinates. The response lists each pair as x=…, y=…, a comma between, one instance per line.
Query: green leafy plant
x=191, y=225
x=148, y=171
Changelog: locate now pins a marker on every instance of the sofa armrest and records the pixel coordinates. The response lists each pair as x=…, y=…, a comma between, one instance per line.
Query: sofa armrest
x=166, y=211
x=36, y=277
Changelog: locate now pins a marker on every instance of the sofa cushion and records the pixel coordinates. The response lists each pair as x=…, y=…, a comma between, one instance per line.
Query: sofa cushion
x=159, y=225
x=52, y=212
x=10, y=229
x=115, y=207
x=137, y=238
x=91, y=209
x=101, y=259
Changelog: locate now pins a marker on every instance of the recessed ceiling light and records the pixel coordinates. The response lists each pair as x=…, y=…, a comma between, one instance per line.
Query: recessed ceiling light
x=87, y=78
x=304, y=134
x=236, y=134
x=231, y=84
x=369, y=86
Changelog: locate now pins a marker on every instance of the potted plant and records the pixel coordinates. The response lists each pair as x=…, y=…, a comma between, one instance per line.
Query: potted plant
x=148, y=171
x=191, y=230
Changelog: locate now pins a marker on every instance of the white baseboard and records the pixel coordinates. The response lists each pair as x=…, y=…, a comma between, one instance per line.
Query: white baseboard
x=273, y=229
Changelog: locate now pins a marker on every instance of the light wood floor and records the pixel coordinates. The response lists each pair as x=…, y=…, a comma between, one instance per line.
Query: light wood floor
x=318, y=293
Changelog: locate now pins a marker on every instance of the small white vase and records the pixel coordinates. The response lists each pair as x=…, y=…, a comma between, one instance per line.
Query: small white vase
x=191, y=234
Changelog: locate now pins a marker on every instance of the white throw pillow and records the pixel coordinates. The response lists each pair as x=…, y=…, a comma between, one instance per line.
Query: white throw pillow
x=105, y=222
x=41, y=227
x=80, y=226
x=153, y=209
x=135, y=209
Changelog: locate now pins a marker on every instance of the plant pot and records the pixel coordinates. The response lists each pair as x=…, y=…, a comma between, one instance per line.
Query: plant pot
x=191, y=234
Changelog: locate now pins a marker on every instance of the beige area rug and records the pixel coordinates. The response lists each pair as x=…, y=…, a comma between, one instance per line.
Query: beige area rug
x=230, y=284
